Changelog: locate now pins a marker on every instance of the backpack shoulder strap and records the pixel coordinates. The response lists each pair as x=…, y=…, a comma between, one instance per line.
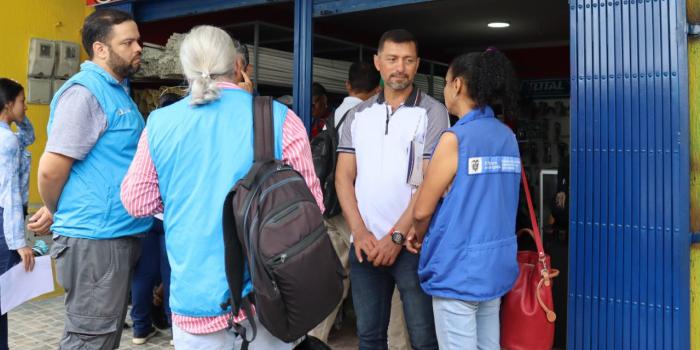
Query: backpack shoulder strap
x=234, y=264
x=342, y=119
x=264, y=129
x=234, y=261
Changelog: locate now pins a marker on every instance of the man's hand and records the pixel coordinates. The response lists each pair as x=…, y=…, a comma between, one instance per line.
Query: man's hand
x=384, y=252
x=364, y=242
x=40, y=223
x=27, y=258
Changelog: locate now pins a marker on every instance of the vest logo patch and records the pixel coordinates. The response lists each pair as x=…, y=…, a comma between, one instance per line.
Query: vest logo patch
x=491, y=165
x=123, y=111
x=474, y=166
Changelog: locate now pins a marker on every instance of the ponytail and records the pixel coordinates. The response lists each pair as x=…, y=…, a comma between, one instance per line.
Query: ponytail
x=206, y=53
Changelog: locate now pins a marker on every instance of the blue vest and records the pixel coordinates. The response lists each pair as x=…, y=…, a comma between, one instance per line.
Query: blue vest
x=469, y=252
x=200, y=152
x=90, y=206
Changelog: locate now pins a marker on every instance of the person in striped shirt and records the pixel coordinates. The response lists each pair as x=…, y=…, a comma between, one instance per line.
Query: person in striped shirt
x=189, y=156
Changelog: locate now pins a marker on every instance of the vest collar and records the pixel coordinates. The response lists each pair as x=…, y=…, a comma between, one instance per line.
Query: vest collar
x=89, y=66
x=477, y=113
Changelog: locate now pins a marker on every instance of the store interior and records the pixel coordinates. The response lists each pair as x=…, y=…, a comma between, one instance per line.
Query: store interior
x=537, y=42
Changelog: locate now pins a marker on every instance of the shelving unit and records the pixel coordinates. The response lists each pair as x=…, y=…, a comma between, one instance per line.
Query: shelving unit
x=270, y=49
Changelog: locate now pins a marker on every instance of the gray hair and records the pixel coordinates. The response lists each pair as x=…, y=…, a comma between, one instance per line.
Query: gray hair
x=206, y=54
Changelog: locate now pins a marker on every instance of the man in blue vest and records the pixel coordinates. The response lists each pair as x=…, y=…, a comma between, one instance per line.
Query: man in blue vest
x=93, y=131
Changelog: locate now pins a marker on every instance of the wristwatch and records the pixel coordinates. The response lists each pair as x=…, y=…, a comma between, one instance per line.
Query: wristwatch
x=398, y=238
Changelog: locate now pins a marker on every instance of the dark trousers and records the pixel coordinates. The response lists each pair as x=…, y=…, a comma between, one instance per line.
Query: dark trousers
x=8, y=258
x=151, y=269
x=372, y=289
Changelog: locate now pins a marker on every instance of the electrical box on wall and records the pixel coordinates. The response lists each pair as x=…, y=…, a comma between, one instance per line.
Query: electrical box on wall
x=50, y=64
x=55, y=85
x=39, y=91
x=67, y=60
x=42, y=56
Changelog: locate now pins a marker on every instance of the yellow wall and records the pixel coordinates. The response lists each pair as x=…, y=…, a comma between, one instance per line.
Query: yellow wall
x=693, y=11
x=26, y=19
x=694, y=103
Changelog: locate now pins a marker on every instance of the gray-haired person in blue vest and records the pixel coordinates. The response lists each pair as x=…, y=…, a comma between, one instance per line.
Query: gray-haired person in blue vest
x=471, y=190
x=93, y=131
x=190, y=155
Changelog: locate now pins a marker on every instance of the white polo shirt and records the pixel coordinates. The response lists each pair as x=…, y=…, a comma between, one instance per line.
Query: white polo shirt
x=348, y=103
x=381, y=141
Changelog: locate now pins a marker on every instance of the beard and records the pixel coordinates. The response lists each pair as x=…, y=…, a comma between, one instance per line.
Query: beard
x=399, y=85
x=122, y=67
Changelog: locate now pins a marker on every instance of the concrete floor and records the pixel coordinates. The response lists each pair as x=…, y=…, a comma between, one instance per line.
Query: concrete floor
x=38, y=325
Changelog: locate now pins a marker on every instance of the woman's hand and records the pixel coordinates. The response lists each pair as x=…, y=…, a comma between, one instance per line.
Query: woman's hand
x=246, y=84
x=414, y=241
x=438, y=179
x=27, y=258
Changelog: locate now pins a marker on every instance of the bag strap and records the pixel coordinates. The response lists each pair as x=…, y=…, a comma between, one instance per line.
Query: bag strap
x=330, y=122
x=242, y=331
x=546, y=273
x=342, y=119
x=263, y=143
x=533, y=218
x=234, y=258
x=263, y=127
x=234, y=264
x=336, y=130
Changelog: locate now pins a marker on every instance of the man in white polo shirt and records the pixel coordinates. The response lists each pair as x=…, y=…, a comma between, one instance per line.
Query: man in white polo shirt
x=385, y=143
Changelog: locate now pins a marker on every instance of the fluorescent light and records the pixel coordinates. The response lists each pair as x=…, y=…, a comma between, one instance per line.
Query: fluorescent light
x=499, y=25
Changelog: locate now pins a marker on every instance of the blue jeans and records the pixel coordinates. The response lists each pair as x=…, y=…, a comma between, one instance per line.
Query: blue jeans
x=151, y=269
x=372, y=288
x=8, y=258
x=467, y=325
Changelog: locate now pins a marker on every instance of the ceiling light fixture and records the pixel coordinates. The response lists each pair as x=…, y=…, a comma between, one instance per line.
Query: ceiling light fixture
x=499, y=25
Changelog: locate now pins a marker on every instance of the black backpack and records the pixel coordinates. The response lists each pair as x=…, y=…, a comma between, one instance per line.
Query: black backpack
x=323, y=150
x=272, y=222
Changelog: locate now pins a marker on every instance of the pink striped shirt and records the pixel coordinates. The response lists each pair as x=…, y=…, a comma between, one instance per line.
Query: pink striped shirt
x=141, y=196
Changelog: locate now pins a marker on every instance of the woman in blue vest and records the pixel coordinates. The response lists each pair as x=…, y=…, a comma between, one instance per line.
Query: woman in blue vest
x=13, y=246
x=468, y=256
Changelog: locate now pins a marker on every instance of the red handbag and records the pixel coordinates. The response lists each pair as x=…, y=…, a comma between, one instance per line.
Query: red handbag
x=527, y=315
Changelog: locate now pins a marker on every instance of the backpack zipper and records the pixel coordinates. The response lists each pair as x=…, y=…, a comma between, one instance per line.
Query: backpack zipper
x=278, y=185
x=277, y=215
x=279, y=259
x=246, y=236
x=281, y=214
x=290, y=253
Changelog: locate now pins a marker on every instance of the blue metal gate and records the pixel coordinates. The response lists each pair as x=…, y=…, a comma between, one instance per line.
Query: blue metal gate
x=629, y=243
